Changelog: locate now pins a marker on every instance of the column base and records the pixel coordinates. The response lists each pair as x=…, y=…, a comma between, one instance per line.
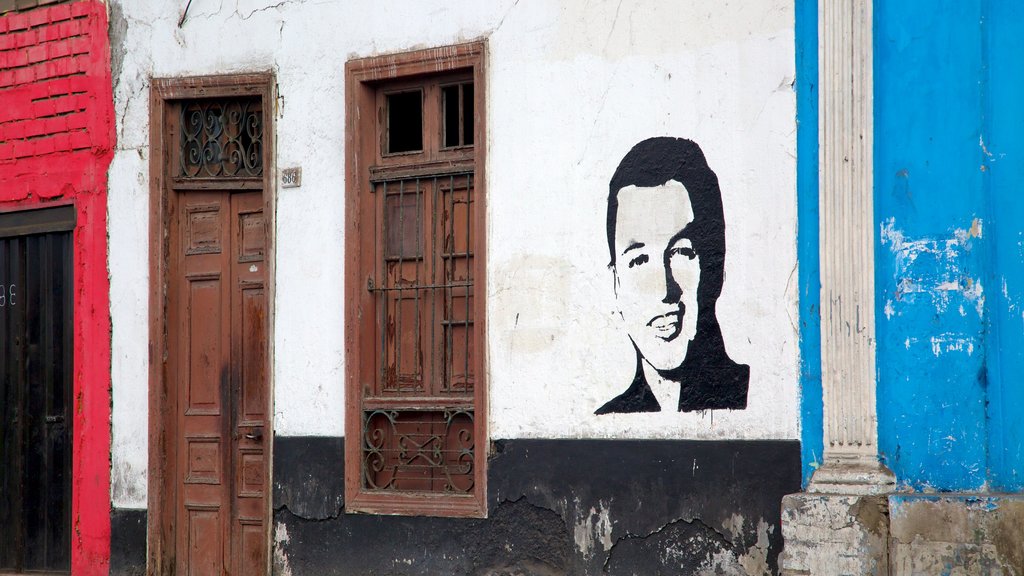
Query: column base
x=854, y=474
x=832, y=534
x=841, y=524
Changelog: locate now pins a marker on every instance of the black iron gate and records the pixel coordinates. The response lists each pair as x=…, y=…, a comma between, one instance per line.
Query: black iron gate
x=35, y=389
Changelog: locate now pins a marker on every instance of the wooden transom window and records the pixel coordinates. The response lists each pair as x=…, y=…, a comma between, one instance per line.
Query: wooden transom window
x=416, y=397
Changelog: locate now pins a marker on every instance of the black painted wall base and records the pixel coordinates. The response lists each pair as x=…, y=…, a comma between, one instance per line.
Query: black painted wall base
x=127, y=542
x=629, y=507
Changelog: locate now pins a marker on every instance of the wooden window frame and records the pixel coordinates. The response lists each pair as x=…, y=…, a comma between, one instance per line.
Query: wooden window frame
x=164, y=92
x=366, y=80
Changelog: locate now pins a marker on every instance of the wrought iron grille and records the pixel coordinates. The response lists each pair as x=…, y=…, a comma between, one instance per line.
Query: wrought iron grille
x=418, y=450
x=221, y=137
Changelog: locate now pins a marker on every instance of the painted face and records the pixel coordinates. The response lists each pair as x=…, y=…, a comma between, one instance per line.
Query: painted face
x=657, y=271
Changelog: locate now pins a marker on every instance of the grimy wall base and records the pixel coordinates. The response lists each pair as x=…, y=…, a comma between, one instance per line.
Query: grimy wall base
x=902, y=535
x=830, y=535
x=956, y=534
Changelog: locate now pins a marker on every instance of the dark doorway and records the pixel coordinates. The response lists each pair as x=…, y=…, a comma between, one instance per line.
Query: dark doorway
x=36, y=333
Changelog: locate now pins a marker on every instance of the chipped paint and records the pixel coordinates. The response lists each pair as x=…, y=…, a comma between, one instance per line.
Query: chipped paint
x=755, y=560
x=932, y=268
x=281, y=565
x=951, y=343
x=593, y=527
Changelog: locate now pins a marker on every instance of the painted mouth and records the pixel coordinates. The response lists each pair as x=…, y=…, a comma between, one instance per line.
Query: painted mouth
x=667, y=326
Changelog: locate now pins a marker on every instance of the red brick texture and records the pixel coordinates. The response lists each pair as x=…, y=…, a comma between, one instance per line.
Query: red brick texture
x=56, y=143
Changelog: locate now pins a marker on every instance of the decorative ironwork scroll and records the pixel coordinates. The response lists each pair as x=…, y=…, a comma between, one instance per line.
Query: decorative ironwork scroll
x=221, y=138
x=418, y=450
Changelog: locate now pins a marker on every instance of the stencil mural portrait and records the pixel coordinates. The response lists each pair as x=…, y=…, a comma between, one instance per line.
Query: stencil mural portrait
x=666, y=237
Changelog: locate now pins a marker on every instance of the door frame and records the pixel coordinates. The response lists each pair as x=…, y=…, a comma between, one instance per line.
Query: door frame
x=160, y=530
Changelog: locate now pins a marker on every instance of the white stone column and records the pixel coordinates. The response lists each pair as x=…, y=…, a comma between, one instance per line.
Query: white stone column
x=846, y=225
x=841, y=524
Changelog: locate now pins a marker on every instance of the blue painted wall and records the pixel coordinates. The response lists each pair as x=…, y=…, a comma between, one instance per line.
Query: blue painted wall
x=948, y=162
x=1003, y=131
x=807, y=233
x=949, y=240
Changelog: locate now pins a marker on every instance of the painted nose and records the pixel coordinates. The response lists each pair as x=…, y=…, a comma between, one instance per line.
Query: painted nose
x=673, y=293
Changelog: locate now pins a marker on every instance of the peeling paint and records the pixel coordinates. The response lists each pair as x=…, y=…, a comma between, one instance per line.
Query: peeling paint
x=593, y=527
x=932, y=268
x=281, y=565
x=755, y=560
x=949, y=342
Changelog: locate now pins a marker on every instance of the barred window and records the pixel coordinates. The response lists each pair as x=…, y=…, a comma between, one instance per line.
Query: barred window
x=416, y=439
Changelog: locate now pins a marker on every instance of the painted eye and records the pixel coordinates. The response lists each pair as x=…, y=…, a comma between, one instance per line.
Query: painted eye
x=683, y=251
x=641, y=259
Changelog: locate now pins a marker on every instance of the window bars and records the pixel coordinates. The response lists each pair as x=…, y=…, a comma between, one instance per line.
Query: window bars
x=418, y=419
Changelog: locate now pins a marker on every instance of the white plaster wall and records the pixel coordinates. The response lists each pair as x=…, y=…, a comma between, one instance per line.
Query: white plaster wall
x=571, y=87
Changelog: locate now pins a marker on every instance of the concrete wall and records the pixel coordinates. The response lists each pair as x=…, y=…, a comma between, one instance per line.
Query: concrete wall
x=572, y=87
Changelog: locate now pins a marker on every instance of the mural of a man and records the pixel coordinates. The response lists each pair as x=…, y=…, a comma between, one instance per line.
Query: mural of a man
x=666, y=236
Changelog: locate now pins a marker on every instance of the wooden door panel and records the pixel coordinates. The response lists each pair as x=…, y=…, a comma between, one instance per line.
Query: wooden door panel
x=219, y=359
x=249, y=346
x=205, y=354
x=205, y=531
x=202, y=360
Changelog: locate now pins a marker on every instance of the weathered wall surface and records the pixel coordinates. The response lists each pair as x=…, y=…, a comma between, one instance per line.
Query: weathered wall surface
x=571, y=88
x=948, y=255
x=56, y=139
x=948, y=247
x=956, y=534
x=660, y=507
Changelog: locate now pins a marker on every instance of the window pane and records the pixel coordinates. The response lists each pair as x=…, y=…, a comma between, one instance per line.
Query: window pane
x=450, y=96
x=405, y=122
x=467, y=114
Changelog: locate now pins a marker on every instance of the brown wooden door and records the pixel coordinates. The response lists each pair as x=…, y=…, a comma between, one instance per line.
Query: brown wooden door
x=217, y=342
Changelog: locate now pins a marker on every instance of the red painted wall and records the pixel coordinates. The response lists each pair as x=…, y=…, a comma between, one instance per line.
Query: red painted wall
x=56, y=142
